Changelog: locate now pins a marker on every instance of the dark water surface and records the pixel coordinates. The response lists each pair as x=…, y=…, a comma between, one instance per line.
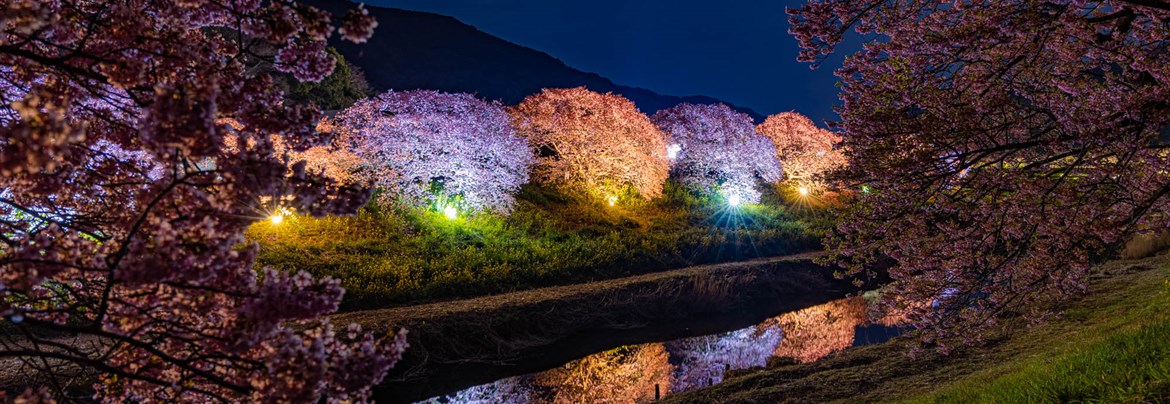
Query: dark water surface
x=644, y=372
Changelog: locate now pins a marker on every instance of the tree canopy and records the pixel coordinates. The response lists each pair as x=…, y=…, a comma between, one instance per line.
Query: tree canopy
x=1008, y=145
x=138, y=145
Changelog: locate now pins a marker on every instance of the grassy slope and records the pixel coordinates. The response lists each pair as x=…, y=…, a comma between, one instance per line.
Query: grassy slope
x=385, y=257
x=1113, y=345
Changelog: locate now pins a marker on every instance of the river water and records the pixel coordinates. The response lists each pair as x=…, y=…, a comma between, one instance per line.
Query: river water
x=644, y=372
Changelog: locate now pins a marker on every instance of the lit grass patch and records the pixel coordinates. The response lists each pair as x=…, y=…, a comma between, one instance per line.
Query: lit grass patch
x=385, y=256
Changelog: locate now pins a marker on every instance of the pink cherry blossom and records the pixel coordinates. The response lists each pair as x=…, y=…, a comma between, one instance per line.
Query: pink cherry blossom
x=433, y=148
x=125, y=193
x=719, y=150
x=592, y=142
x=808, y=152
x=1009, y=146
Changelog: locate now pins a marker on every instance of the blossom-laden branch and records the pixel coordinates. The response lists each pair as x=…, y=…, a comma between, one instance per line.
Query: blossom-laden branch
x=122, y=207
x=1009, y=145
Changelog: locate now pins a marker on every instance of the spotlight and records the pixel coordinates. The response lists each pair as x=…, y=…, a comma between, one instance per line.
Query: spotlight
x=803, y=191
x=612, y=200
x=733, y=200
x=672, y=151
x=450, y=212
x=276, y=218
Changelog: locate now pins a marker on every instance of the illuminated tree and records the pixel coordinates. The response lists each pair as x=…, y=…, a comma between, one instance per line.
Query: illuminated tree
x=1009, y=143
x=701, y=361
x=719, y=150
x=592, y=142
x=623, y=375
x=122, y=212
x=818, y=331
x=807, y=151
x=427, y=147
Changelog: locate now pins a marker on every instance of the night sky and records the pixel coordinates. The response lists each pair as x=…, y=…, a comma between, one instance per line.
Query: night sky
x=735, y=50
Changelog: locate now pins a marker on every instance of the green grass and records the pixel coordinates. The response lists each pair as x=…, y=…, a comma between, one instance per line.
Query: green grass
x=386, y=256
x=1123, y=357
x=1111, y=345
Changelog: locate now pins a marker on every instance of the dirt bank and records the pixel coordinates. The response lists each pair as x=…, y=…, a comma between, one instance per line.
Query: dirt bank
x=462, y=343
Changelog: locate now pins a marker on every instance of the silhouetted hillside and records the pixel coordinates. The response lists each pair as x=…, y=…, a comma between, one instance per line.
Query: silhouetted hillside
x=412, y=50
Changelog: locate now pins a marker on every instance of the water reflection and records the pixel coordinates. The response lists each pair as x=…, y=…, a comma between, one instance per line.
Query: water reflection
x=640, y=373
x=817, y=331
x=701, y=361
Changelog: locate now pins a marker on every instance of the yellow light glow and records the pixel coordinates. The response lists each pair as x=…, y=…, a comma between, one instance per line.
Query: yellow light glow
x=277, y=218
x=803, y=191
x=450, y=212
x=612, y=200
x=733, y=200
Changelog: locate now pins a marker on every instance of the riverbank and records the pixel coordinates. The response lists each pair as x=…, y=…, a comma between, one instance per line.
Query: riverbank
x=458, y=344
x=1112, y=345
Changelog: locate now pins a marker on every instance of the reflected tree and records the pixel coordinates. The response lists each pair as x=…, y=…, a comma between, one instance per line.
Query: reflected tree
x=701, y=361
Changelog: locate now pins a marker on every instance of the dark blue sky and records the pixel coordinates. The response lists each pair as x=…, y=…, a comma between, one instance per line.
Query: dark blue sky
x=735, y=50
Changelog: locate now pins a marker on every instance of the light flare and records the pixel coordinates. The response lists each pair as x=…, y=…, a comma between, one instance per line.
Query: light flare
x=278, y=215
x=673, y=150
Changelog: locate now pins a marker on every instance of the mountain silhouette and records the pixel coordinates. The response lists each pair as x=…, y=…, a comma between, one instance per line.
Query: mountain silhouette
x=416, y=50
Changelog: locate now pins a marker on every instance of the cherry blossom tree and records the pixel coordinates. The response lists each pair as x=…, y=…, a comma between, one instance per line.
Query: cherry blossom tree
x=1009, y=145
x=807, y=151
x=427, y=147
x=719, y=150
x=122, y=205
x=592, y=142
